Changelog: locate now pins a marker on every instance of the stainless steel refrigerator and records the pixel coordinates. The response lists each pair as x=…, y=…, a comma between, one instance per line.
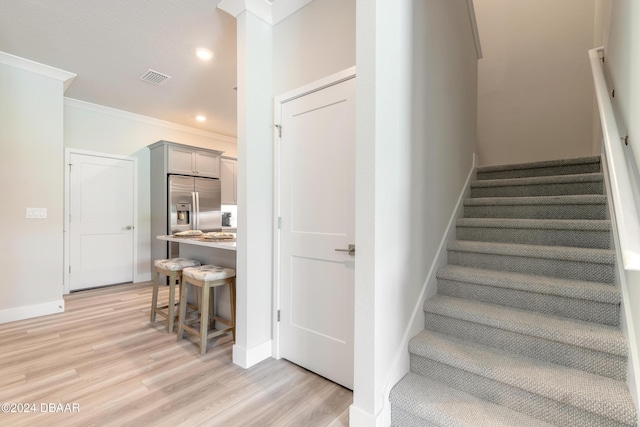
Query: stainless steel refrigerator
x=193, y=204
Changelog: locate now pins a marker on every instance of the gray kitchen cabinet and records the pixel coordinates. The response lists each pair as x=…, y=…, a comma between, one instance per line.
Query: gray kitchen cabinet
x=185, y=160
x=228, y=180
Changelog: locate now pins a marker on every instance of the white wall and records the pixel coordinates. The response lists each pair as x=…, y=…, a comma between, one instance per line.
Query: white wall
x=416, y=132
x=96, y=128
x=316, y=41
x=535, y=93
x=622, y=64
x=31, y=172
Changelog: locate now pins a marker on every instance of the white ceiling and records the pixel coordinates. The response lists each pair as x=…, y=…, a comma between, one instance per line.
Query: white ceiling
x=109, y=44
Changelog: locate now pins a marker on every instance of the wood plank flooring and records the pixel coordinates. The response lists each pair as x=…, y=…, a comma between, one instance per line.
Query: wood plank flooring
x=103, y=356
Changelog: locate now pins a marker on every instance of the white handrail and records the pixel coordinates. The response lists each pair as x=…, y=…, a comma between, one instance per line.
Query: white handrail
x=474, y=28
x=626, y=214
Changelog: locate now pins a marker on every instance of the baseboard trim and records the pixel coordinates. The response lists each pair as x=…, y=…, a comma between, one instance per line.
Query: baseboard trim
x=30, y=311
x=361, y=418
x=246, y=358
x=144, y=277
x=400, y=365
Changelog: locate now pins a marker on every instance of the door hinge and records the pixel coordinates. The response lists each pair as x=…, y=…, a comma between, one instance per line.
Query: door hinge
x=279, y=130
x=278, y=315
x=69, y=269
x=279, y=222
x=69, y=217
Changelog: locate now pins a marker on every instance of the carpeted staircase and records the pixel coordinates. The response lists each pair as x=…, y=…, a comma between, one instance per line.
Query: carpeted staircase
x=524, y=329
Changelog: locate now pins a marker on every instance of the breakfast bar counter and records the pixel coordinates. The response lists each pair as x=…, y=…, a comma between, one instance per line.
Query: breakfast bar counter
x=216, y=252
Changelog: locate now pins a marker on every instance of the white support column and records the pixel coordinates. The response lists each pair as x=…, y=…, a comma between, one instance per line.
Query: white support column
x=255, y=191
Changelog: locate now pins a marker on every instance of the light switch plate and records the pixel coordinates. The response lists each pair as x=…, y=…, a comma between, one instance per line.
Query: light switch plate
x=37, y=213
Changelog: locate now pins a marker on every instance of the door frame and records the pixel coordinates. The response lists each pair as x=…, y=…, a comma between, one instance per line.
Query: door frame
x=67, y=209
x=278, y=101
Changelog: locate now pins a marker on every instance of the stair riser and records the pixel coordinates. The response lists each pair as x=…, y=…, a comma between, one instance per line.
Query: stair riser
x=536, y=236
x=402, y=418
x=588, y=311
x=534, y=405
x=548, y=171
x=595, y=211
x=540, y=266
x=562, y=189
x=586, y=359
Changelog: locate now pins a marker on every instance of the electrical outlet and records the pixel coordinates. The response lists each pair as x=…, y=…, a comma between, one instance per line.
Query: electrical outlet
x=37, y=213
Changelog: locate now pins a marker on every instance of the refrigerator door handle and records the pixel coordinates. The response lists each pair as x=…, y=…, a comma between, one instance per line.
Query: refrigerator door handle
x=197, y=226
x=194, y=203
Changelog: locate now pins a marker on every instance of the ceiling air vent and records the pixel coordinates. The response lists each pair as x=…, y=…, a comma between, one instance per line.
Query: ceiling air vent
x=154, y=77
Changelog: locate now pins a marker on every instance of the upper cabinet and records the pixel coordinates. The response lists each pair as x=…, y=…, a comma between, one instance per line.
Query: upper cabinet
x=193, y=161
x=228, y=180
x=186, y=160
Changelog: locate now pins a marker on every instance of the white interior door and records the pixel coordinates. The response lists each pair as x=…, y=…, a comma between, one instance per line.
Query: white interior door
x=317, y=204
x=101, y=209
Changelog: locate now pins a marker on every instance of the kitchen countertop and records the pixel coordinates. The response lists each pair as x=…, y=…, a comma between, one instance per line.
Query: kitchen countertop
x=223, y=244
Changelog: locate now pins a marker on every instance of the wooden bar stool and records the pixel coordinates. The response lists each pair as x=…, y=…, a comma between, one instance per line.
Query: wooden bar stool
x=205, y=278
x=171, y=268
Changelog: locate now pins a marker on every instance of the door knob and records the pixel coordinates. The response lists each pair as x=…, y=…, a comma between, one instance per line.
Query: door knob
x=351, y=249
x=129, y=227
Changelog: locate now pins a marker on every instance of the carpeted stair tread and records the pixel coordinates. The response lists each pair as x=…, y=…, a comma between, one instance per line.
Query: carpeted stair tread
x=538, y=294
x=579, y=289
x=548, y=232
x=591, y=163
x=602, y=338
x=591, y=183
x=589, y=206
x=594, y=265
x=434, y=403
x=538, y=180
x=598, y=256
x=592, y=393
x=584, y=199
x=545, y=224
x=539, y=164
x=575, y=299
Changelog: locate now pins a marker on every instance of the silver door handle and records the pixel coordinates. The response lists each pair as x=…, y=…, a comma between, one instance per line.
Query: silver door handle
x=351, y=249
x=194, y=212
x=129, y=227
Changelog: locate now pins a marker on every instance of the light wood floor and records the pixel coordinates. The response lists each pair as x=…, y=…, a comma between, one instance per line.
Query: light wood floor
x=103, y=355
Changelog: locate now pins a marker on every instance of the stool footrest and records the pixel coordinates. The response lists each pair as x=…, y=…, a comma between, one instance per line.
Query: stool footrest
x=218, y=332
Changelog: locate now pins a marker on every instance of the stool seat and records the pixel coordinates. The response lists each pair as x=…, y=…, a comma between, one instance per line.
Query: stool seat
x=209, y=273
x=205, y=279
x=175, y=264
x=172, y=268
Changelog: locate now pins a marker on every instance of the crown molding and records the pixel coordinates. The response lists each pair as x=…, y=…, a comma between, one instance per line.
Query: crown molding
x=271, y=12
x=101, y=109
x=65, y=77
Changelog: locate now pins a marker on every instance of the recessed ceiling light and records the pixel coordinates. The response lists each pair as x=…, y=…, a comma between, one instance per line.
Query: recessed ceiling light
x=201, y=118
x=204, y=54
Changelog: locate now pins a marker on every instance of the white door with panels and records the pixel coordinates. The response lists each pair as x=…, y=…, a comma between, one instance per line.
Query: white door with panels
x=317, y=216
x=101, y=220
